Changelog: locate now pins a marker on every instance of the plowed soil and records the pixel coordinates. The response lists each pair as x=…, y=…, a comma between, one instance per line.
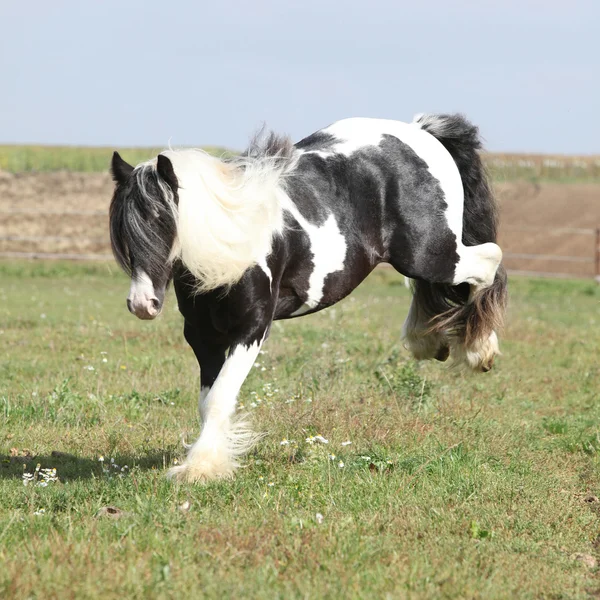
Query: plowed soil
x=550, y=219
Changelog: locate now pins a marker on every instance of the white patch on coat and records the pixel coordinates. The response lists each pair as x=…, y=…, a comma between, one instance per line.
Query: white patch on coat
x=227, y=214
x=216, y=452
x=328, y=248
x=262, y=263
x=477, y=265
x=142, y=296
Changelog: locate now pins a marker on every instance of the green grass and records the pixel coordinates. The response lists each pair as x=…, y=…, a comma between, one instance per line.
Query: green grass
x=20, y=159
x=454, y=486
x=503, y=167
x=540, y=168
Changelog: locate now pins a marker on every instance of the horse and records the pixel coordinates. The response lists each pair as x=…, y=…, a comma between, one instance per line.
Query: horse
x=285, y=230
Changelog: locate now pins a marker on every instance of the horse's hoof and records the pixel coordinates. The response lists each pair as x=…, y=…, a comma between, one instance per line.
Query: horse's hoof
x=487, y=366
x=442, y=354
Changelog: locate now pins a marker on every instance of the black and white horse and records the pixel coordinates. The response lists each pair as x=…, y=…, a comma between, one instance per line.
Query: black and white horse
x=286, y=230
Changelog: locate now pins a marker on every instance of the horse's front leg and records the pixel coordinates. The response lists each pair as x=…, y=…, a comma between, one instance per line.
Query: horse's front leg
x=222, y=440
x=210, y=356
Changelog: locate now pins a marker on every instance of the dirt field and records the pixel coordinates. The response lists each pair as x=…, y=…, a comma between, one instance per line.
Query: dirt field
x=31, y=203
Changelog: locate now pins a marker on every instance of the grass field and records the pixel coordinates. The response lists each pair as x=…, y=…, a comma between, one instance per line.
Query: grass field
x=454, y=485
x=503, y=167
x=78, y=159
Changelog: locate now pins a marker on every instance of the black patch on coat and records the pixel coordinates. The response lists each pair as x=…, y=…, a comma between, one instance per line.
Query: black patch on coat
x=421, y=244
x=318, y=141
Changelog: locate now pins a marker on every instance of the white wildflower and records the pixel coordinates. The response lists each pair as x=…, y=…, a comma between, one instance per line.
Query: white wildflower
x=41, y=511
x=319, y=518
x=316, y=438
x=347, y=443
x=284, y=442
x=341, y=464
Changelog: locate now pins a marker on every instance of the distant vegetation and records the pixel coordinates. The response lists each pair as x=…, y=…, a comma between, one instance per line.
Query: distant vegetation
x=504, y=167
x=544, y=167
x=86, y=159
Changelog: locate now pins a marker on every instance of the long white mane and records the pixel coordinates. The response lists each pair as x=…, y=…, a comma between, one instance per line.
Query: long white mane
x=228, y=213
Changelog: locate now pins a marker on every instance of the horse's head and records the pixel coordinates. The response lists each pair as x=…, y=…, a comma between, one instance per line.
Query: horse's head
x=143, y=229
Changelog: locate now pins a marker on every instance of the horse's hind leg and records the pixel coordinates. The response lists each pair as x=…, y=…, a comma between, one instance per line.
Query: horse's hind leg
x=422, y=343
x=446, y=315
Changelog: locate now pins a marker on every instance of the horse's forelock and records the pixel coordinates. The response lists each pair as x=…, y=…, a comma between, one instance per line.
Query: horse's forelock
x=142, y=224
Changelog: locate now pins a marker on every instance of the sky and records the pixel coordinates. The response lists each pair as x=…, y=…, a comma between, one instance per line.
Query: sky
x=191, y=72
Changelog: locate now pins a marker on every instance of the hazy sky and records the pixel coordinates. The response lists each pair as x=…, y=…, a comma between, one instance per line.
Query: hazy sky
x=142, y=72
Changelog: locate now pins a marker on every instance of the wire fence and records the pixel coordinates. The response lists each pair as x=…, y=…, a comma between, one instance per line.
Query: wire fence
x=528, y=250
x=551, y=251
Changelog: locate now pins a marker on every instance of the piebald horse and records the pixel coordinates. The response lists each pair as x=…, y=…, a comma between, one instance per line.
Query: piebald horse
x=288, y=229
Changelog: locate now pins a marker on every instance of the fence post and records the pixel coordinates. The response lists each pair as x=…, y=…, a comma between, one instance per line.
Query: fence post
x=597, y=255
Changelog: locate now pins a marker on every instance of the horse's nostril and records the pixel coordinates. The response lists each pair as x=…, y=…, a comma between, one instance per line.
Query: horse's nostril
x=155, y=303
x=129, y=306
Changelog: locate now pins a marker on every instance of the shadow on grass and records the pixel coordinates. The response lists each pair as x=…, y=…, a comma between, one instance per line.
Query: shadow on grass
x=70, y=467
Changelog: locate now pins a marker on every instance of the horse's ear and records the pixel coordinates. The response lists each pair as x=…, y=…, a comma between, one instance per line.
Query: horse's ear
x=120, y=169
x=164, y=167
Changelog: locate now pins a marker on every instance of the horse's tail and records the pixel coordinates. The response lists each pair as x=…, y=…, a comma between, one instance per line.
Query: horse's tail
x=470, y=320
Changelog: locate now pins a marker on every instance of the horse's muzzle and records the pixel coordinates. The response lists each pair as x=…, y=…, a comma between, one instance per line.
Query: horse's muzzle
x=146, y=310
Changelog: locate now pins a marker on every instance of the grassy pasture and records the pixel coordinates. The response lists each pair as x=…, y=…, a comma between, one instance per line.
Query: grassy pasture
x=454, y=485
x=502, y=166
